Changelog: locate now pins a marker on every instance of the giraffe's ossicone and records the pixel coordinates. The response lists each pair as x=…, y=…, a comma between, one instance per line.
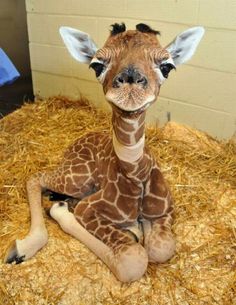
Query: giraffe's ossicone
x=124, y=210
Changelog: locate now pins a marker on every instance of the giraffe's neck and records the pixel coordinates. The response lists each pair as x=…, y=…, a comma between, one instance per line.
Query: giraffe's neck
x=128, y=136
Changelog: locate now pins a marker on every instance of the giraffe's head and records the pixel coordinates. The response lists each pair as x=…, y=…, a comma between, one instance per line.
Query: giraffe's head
x=132, y=65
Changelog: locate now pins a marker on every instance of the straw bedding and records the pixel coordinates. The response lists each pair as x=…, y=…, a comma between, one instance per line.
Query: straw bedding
x=202, y=174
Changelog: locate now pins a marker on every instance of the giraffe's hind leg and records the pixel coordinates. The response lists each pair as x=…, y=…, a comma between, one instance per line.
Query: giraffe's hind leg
x=74, y=177
x=37, y=237
x=126, y=258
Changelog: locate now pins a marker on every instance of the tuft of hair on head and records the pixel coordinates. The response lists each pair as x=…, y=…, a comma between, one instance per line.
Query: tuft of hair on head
x=117, y=28
x=144, y=28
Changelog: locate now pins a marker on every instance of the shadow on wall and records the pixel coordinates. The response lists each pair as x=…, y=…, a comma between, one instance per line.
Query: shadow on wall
x=14, y=42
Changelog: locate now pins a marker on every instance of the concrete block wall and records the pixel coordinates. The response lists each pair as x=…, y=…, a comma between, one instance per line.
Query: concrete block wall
x=202, y=93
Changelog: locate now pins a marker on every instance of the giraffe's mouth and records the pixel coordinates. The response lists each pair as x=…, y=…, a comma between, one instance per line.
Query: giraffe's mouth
x=135, y=112
x=130, y=103
x=130, y=113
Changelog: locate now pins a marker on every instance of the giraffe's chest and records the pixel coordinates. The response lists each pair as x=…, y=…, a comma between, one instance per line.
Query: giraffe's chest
x=110, y=170
x=121, y=185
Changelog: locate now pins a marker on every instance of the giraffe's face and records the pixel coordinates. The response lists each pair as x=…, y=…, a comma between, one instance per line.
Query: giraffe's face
x=132, y=65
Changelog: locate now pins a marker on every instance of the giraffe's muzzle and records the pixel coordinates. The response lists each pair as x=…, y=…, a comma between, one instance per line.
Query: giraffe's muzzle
x=131, y=91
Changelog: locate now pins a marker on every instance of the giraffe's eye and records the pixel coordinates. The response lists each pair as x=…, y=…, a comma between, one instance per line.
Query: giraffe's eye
x=166, y=68
x=97, y=67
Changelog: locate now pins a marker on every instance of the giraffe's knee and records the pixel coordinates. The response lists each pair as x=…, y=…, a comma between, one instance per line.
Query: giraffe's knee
x=131, y=264
x=161, y=250
x=59, y=212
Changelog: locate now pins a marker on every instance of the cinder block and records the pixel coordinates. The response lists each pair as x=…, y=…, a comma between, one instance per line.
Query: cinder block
x=183, y=11
x=46, y=85
x=203, y=87
x=44, y=28
x=216, y=123
x=217, y=13
x=78, y=7
x=57, y=60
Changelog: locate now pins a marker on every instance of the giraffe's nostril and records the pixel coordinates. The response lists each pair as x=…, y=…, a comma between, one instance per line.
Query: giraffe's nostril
x=121, y=80
x=142, y=81
x=118, y=81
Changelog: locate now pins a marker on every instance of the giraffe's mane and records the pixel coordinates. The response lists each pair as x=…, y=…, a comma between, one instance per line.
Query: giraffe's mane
x=141, y=27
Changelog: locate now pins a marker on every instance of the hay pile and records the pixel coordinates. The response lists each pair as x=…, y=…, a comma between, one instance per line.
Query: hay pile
x=202, y=175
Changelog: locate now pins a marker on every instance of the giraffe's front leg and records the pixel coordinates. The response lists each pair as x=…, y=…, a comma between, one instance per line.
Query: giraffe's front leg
x=126, y=258
x=37, y=237
x=159, y=240
x=158, y=217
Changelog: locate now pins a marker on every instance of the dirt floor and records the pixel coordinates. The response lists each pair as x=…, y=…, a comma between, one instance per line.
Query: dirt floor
x=201, y=172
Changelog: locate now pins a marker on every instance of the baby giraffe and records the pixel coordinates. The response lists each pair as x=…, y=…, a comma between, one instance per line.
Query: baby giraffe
x=124, y=211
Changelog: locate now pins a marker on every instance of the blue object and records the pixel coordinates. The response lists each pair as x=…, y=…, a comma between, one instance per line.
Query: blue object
x=8, y=72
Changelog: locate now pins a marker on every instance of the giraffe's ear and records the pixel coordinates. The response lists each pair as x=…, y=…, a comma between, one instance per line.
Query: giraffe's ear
x=185, y=44
x=79, y=44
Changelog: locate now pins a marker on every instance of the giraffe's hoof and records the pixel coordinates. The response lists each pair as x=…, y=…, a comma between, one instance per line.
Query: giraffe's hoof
x=13, y=255
x=23, y=249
